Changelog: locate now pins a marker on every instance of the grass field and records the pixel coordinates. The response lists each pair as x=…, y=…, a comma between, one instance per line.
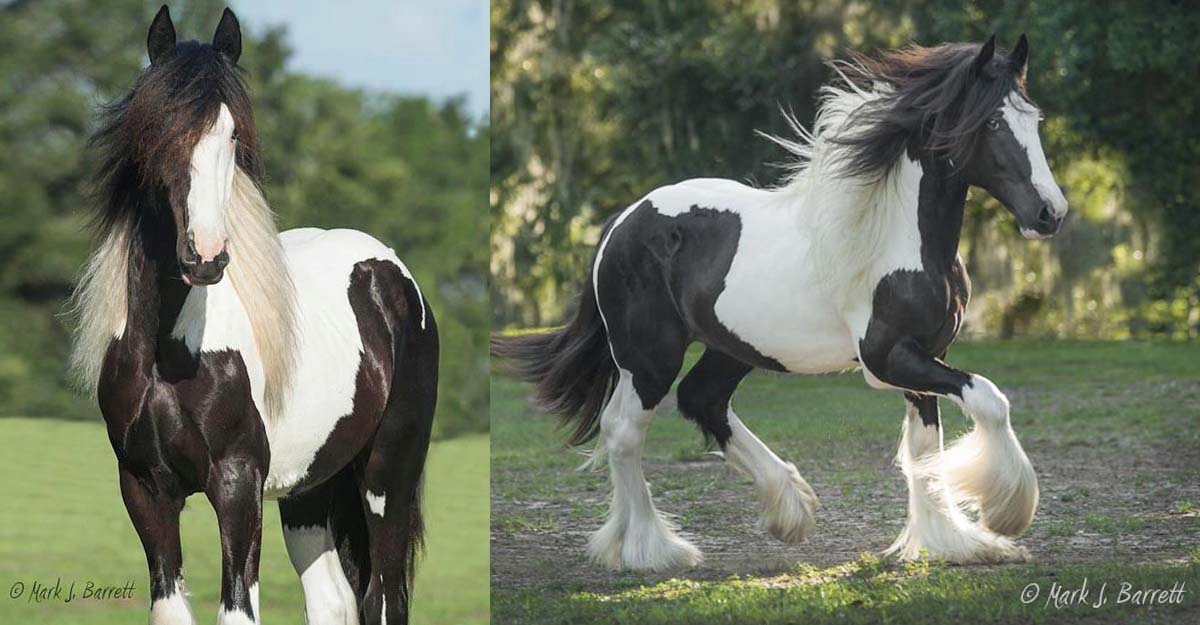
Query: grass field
x=1112, y=429
x=62, y=518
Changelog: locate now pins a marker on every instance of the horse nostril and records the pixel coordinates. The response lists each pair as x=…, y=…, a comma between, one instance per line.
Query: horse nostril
x=1044, y=215
x=222, y=259
x=189, y=251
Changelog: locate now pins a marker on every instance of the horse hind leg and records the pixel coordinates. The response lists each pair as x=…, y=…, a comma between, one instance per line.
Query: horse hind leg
x=636, y=534
x=390, y=479
x=325, y=533
x=788, y=502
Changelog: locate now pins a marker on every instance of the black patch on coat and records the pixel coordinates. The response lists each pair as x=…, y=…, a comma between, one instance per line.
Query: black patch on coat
x=659, y=281
x=382, y=299
x=927, y=408
x=916, y=314
x=706, y=391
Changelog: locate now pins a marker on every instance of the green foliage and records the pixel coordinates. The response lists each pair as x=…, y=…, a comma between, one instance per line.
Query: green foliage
x=410, y=172
x=597, y=102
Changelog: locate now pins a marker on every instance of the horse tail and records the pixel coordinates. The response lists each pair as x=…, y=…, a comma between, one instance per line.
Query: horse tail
x=571, y=368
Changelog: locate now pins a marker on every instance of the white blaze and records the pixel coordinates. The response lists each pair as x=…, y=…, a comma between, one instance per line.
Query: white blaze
x=1022, y=118
x=212, y=169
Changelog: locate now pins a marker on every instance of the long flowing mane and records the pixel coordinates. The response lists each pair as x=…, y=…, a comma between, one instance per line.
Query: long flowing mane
x=876, y=110
x=145, y=139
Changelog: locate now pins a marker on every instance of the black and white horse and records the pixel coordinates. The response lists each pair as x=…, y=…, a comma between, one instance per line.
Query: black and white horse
x=851, y=263
x=308, y=374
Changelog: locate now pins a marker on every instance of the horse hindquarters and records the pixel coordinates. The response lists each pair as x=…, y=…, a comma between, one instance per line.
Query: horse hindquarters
x=390, y=477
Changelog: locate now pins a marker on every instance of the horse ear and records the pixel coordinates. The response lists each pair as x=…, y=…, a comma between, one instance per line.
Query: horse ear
x=161, y=40
x=1020, y=55
x=228, y=38
x=985, y=55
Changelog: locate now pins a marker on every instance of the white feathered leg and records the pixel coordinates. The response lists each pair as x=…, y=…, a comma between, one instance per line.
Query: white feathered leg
x=987, y=469
x=937, y=527
x=636, y=535
x=788, y=502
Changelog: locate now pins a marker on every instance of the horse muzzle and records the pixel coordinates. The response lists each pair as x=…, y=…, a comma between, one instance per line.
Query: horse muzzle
x=199, y=271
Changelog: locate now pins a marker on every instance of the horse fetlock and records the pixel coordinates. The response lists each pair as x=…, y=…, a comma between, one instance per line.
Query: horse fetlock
x=989, y=471
x=984, y=402
x=789, y=506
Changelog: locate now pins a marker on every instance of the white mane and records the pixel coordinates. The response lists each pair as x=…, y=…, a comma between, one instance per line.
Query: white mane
x=847, y=214
x=256, y=270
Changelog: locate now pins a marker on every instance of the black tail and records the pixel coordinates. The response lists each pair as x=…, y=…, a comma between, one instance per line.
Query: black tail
x=571, y=368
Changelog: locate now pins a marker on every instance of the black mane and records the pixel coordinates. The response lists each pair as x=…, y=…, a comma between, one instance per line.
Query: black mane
x=145, y=139
x=934, y=99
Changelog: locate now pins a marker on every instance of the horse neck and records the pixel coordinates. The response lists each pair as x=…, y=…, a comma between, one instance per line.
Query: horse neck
x=941, y=198
x=155, y=291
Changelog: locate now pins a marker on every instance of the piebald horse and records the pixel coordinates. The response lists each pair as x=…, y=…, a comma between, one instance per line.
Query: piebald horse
x=851, y=263
x=243, y=363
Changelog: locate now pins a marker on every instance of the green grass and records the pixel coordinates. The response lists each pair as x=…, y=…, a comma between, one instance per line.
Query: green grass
x=869, y=592
x=1087, y=403
x=63, y=518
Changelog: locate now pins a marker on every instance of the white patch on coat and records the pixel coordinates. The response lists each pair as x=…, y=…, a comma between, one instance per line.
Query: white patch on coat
x=328, y=345
x=328, y=597
x=212, y=165
x=173, y=609
x=777, y=297
x=377, y=503
x=1023, y=119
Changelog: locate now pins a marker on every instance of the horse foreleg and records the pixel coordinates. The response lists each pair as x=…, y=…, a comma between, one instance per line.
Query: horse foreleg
x=936, y=525
x=986, y=469
x=235, y=489
x=155, y=516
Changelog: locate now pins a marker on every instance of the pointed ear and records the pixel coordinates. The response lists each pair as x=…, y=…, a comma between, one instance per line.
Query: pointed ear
x=1020, y=56
x=985, y=56
x=161, y=41
x=228, y=38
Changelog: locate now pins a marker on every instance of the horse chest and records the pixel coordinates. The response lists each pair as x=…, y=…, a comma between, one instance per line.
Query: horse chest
x=213, y=322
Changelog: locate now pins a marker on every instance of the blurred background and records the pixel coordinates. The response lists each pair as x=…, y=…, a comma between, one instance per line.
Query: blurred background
x=373, y=115
x=369, y=130
x=595, y=103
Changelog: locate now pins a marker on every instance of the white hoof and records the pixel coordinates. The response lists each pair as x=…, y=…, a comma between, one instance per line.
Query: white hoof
x=789, y=507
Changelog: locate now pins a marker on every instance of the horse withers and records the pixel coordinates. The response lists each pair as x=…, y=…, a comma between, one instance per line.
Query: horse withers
x=851, y=263
x=234, y=361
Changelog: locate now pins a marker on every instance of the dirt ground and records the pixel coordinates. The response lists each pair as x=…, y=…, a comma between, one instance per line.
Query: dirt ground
x=1114, y=500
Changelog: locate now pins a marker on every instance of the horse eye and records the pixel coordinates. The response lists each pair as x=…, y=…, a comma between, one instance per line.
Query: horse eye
x=234, y=138
x=993, y=123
